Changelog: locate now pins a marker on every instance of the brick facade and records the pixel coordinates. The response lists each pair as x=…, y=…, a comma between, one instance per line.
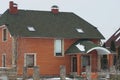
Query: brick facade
x=43, y=48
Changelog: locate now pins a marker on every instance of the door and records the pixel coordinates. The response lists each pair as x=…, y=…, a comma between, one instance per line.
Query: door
x=74, y=64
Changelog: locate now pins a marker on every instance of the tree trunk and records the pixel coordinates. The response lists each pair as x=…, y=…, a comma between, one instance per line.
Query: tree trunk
x=14, y=52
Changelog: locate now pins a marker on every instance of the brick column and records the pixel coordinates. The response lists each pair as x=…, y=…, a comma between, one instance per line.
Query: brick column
x=78, y=64
x=36, y=75
x=110, y=60
x=62, y=72
x=24, y=73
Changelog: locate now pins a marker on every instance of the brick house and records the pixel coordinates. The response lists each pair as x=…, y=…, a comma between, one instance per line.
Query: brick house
x=49, y=39
x=115, y=37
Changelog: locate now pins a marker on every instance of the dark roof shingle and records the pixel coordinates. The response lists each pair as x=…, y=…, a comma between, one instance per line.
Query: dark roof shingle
x=47, y=24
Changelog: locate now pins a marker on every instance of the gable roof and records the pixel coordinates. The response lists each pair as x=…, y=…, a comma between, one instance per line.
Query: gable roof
x=47, y=24
x=84, y=47
x=115, y=37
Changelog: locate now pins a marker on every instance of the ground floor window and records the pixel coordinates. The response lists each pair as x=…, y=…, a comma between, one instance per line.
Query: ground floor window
x=3, y=60
x=30, y=60
x=104, y=62
x=85, y=62
x=114, y=59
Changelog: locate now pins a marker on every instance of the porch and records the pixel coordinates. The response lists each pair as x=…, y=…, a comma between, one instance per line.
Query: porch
x=89, y=57
x=92, y=62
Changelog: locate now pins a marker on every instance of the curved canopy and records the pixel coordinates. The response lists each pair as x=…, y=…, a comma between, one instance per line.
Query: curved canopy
x=86, y=46
x=100, y=50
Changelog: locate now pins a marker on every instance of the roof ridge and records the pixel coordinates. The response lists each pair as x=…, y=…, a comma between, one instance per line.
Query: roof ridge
x=42, y=11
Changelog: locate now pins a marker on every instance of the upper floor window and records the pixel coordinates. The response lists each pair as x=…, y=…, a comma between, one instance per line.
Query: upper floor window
x=4, y=34
x=59, y=47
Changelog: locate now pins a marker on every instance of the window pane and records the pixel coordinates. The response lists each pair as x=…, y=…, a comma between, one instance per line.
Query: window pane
x=114, y=60
x=85, y=60
x=3, y=60
x=58, y=47
x=4, y=34
x=31, y=28
x=104, y=62
x=30, y=60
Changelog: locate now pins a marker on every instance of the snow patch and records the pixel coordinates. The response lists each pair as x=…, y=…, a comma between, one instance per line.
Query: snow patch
x=80, y=47
x=117, y=39
x=58, y=79
x=117, y=33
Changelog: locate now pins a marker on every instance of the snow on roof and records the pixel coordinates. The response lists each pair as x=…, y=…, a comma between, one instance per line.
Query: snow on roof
x=118, y=38
x=117, y=32
x=80, y=47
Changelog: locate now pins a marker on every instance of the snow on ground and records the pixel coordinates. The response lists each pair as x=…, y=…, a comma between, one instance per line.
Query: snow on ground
x=57, y=79
x=53, y=79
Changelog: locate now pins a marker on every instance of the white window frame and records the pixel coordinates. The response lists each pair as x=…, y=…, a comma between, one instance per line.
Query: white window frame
x=26, y=60
x=3, y=34
x=3, y=60
x=62, y=48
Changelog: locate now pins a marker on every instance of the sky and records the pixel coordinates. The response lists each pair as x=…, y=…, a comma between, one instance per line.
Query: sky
x=103, y=14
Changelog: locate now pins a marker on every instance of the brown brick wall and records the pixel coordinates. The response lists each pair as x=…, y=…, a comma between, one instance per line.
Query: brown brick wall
x=94, y=61
x=6, y=48
x=45, y=59
x=44, y=49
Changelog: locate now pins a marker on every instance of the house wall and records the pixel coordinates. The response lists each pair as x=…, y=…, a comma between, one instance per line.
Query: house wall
x=44, y=50
x=6, y=49
x=45, y=59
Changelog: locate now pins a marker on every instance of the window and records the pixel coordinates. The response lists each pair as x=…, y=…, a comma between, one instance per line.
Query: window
x=85, y=62
x=58, y=47
x=80, y=30
x=4, y=34
x=104, y=62
x=30, y=60
x=114, y=59
x=30, y=28
x=3, y=60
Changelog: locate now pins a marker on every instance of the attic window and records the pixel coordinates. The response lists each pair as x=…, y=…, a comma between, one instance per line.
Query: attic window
x=80, y=30
x=30, y=28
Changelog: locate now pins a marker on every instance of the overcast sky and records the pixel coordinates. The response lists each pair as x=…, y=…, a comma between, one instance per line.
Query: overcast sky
x=103, y=14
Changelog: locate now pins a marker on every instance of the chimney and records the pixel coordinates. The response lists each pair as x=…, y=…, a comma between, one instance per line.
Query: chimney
x=13, y=8
x=54, y=9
